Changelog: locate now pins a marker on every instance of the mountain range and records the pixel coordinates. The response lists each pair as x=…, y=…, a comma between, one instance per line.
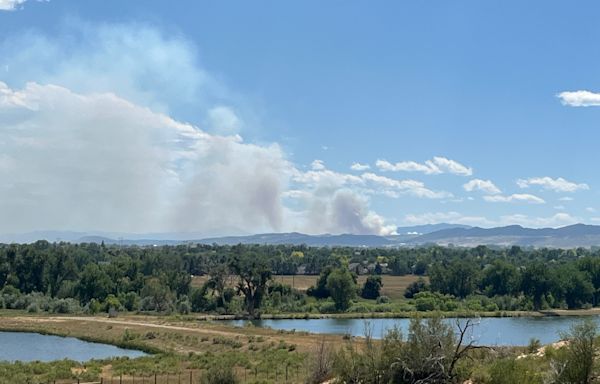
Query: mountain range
x=578, y=235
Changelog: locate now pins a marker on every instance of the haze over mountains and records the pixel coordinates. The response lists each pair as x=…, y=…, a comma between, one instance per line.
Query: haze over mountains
x=578, y=235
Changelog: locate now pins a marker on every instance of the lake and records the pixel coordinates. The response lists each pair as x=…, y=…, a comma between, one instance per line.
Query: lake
x=488, y=331
x=34, y=346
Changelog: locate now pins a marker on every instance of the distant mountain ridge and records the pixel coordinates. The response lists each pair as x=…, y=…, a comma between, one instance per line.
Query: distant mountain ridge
x=577, y=235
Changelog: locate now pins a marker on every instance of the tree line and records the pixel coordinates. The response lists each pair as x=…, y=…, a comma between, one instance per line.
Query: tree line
x=98, y=277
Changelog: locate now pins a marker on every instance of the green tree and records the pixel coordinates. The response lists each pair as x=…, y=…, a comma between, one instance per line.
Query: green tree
x=253, y=272
x=341, y=287
x=371, y=288
x=94, y=283
x=319, y=290
x=415, y=287
x=459, y=278
x=500, y=278
x=536, y=283
x=156, y=296
x=575, y=362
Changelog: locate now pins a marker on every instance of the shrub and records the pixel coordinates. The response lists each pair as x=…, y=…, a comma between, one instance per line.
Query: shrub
x=510, y=371
x=575, y=363
x=320, y=365
x=33, y=308
x=372, y=287
x=534, y=345
x=415, y=287
x=220, y=373
x=65, y=306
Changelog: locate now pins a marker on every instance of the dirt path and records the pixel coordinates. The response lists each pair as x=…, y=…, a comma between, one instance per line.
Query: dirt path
x=82, y=326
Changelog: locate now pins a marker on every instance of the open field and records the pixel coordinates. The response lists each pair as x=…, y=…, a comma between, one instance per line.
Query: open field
x=393, y=286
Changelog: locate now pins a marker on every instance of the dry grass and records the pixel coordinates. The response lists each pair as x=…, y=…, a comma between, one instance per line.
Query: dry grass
x=393, y=286
x=183, y=336
x=180, y=336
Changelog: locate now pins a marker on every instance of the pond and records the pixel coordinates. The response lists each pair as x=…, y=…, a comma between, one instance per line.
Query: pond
x=489, y=331
x=20, y=346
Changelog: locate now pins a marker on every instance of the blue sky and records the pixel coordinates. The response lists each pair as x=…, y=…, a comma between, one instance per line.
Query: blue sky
x=459, y=101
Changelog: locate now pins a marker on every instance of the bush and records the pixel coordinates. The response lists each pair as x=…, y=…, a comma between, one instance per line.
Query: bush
x=220, y=373
x=131, y=301
x=510, y=371
x=534, y=345
x=183, y=306
x=65, y=306
x=320, y=365
x=433, y=301
x=33, y=308
x=327, y=307
x=575, y=362
x=415, y=287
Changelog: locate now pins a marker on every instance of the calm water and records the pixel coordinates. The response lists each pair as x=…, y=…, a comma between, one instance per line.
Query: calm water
x=33, y=346
x=489, y=331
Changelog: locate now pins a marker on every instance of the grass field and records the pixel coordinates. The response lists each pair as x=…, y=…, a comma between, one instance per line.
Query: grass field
x=393, y=286
x=184, y=344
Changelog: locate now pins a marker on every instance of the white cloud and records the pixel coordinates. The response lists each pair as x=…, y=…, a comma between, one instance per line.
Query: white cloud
x=359, y=167
x=486, y=186
x=566, y=198
x=446, y=217
x=560, y=207
x=437, y=165
x=557, y=220
x=557, y=185
x=223, y=120
x=317, y=165
x=395, y=187
x=580, y=98
x=590, y=209
x=408, y=166
x=10, y=5
x=514, y=198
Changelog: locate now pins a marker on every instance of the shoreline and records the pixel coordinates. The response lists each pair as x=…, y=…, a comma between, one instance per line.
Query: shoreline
x=404, y=315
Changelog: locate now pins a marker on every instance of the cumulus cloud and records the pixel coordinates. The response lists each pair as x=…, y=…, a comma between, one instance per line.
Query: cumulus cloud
x=394, y=188
x=10, y=5
x=317, y=165
x=557, y=220
x=580, y=98
x=514, y=198
x=557, y=185
x=437, y=165
x=486, y=186
x=446, y=217
x=360, y=167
